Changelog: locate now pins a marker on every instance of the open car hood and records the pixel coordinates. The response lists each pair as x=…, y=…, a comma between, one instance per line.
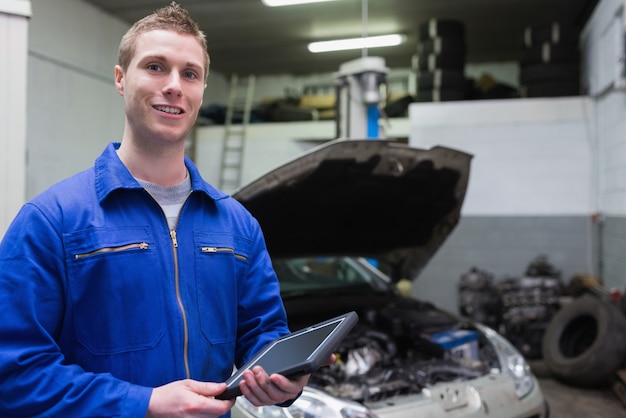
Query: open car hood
x=372, y=198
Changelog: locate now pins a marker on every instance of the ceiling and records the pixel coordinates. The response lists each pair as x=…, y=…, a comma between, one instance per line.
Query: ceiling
x=246, y=37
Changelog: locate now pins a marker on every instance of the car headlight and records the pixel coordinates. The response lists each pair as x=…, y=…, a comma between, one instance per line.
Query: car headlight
x=511, y=361
x=311, y=404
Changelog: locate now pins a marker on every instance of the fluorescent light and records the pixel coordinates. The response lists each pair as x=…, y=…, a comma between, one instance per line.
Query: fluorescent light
x=277, y=3
x=356, y=43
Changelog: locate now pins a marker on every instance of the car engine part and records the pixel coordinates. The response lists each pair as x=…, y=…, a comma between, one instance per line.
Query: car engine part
x=374, y=365
x=520, y=308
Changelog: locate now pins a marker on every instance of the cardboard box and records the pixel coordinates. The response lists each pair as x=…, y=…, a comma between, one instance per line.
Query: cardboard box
x=460, y=343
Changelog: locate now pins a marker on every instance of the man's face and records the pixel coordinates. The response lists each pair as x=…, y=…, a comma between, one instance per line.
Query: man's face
x=162, y=88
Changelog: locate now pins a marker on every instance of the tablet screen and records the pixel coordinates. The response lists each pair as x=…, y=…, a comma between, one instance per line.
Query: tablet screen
x=300, y=352
x=294, y=349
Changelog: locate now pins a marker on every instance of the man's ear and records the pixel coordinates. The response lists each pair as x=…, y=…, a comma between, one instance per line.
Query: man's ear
x=119, y=80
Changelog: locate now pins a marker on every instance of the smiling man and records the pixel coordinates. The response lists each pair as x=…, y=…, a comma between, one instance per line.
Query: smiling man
x=132, y=289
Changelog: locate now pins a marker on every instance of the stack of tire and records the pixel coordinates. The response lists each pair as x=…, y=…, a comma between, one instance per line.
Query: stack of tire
x=550, y=61
x=440, y=61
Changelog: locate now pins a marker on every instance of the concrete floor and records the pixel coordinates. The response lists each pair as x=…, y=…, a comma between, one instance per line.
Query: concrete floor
x=573, y=402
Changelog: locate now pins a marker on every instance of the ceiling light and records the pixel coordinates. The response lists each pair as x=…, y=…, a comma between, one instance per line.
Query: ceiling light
x=276, y=3
x=356, y=43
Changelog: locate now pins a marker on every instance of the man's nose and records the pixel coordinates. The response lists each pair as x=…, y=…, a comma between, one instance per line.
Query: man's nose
x=173, y=85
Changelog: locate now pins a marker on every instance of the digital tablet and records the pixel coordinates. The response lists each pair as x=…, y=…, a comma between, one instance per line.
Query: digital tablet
x=301, y=352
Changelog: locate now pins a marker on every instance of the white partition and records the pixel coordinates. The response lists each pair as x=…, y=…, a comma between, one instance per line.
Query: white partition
x=531, y=156
x=13, y=55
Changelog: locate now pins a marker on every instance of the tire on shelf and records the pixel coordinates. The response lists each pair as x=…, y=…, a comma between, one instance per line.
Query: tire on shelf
x=448, y=28
x=551, y=89
x=437, y=95
x=441, y=79
x=540, y=73
x=585, y=342
x=547, y=53
x=432, y=62
x=553, y=33
x=442, y=45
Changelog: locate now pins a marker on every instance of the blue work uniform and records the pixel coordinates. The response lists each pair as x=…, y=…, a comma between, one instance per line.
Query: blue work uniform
x=100, y=301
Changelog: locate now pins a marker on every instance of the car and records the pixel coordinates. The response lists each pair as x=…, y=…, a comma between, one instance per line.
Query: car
x=345, y=224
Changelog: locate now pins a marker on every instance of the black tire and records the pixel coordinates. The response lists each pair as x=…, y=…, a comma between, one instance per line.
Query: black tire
x=585, y=342
x=554, y=33
x=551, y=89
x=437, y=95
x=442, y=28
x=441, y=79
x=548, y=53
x=540, y=73
x=439, y=45
x=432, y=62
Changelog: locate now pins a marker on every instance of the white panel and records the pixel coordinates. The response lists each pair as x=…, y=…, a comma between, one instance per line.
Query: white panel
x=77, y=34
x=531, y=157
x=15, y=7
x=73, y=107
x=603, y=40
x=612, y=153
x=13, y=50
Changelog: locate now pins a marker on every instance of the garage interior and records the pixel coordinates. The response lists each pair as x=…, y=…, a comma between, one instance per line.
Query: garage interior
x=548, y=173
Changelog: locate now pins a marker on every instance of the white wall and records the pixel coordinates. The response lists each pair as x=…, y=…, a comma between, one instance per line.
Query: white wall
x=73, y=108
x=606, y=75
x=606, y=78
x=531, y=156
x=13, y=42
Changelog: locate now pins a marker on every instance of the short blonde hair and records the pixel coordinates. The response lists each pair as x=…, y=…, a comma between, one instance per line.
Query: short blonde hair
x=173, y=17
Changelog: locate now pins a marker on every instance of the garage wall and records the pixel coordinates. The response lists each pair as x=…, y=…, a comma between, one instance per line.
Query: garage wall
x=530, y=190
x=13, y=40
x=73, y=108
x=604, y=43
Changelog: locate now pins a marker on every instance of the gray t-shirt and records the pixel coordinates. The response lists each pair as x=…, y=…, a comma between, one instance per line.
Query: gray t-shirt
x=170, y=199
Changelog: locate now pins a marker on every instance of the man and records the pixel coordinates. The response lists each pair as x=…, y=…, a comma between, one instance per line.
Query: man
x=132, y=288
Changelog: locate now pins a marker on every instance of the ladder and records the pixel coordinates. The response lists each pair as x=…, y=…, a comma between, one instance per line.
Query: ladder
x=239, y=100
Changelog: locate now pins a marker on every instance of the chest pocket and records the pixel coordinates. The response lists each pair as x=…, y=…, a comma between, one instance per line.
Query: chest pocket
x=222, y=261
x=116, y=289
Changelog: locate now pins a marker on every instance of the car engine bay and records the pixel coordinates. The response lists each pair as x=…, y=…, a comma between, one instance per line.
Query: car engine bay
x=386, y=356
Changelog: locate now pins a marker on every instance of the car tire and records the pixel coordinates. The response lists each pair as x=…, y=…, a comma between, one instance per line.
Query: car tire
x=540, y=73
x=442, y=45
x=551, y=89
x=447, y=28
x=438, y=95
x=433, y=62
x=585, y=342
x=441, y=79
x=554, y=33
x=547, y=53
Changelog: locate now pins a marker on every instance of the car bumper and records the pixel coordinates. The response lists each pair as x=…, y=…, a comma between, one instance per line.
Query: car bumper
x=488, y=396
x=484, y=397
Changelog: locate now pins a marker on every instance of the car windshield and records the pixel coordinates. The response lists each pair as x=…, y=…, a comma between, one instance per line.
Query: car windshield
x=304, y=275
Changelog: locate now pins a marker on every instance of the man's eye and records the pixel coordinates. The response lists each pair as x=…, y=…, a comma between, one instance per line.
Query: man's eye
x=153, y=67
x=190, y=75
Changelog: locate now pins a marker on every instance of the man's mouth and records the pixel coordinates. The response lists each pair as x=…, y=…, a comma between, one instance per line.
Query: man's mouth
x=169, y=109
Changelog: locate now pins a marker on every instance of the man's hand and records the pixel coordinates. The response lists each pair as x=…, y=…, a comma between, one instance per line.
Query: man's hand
x=261, y=389
x=188, y=398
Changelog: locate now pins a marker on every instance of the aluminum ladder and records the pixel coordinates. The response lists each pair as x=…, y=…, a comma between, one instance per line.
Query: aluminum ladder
x=239, y=102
